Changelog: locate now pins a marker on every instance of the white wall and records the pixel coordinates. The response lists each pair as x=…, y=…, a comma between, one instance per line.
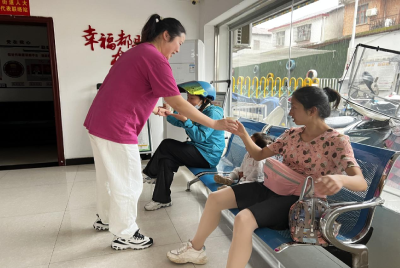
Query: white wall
x=80, y=69
x=334, y=25
x=213, y=12
x=389, y=40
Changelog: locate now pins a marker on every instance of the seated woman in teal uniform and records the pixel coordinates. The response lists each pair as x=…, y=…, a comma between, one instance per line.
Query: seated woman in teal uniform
x=204, y=149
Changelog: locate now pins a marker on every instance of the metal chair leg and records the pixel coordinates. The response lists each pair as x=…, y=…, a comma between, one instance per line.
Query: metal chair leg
x=191, y=182
x=360, y=259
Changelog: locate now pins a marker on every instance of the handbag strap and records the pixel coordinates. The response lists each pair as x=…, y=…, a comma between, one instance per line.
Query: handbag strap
x=310, y=190
x=312, y=193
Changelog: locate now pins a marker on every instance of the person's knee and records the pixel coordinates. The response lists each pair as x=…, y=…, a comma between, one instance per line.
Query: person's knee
x=214, y=200
x=168, y=165
x=245, y=220
x=165, y=144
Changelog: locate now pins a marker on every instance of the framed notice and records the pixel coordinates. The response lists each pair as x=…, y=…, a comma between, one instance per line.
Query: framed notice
x=144, y=139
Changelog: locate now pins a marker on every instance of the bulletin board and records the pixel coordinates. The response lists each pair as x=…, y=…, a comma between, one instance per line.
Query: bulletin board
x=144, y=139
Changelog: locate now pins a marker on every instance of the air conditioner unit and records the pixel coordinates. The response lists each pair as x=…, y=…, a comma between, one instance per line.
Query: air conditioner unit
x=371, y=12
x=242, y=36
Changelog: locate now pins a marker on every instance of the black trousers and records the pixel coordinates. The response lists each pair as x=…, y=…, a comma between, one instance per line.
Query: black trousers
x=169, y=156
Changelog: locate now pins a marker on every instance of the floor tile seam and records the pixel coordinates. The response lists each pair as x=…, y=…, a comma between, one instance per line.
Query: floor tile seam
x=83, y=258
x=25, y=215
x=58, y=234
x=65, y=211
x=176, y=231
x=180, y=197
x=7, y=171
x=31, y=186
x=74, y=209
x=110, y=253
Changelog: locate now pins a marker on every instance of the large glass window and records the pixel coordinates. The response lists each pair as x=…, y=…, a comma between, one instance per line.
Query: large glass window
x=288, y=50
x=312, y=44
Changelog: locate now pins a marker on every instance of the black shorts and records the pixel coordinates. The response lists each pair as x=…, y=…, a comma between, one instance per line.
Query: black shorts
x=269, y=209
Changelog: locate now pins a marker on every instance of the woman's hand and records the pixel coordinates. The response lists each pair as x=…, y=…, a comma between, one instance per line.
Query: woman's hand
x=226, y=124
x=161, y=111
x=241, y=131
x=167, y=107
x=329, y=185
x=177, y=116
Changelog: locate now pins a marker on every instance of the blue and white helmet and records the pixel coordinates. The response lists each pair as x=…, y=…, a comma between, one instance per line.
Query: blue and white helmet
x=199, y=88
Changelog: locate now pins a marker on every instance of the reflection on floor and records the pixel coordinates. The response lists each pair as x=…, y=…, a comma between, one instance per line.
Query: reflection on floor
x=47, y=213
x=28, y=155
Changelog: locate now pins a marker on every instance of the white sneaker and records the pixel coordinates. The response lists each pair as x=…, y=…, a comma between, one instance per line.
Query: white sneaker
x=156, y=205
x=187, y=254
x=99, y=225
x=137, y=241
x=149, y=180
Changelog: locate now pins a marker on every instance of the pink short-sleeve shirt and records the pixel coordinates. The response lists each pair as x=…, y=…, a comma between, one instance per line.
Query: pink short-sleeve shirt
x=329, y=153
x=129, y=93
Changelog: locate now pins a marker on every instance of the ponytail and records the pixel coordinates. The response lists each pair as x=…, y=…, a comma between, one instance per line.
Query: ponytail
x=156, y=25
x=333, y=96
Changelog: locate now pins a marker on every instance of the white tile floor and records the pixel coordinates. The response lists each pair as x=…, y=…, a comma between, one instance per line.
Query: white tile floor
x=46, y=218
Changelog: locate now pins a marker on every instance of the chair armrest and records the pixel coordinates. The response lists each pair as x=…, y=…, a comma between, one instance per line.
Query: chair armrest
x=209, y=173
x=341, y=204
x=331, y=214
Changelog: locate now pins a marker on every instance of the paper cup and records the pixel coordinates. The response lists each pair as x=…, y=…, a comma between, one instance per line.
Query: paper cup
x=232, y=118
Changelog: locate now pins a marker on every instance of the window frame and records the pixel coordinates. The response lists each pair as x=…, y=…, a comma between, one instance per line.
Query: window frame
x=278, y=36
x=362, y=13
x=308, y=38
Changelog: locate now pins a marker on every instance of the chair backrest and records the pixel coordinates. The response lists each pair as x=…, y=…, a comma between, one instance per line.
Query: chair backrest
x=275, y=131
x=235, y=149
x=275, y=117
x=375, y=165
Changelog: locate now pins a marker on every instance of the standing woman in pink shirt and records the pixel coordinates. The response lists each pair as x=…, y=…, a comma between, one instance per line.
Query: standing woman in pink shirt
x=126, y=99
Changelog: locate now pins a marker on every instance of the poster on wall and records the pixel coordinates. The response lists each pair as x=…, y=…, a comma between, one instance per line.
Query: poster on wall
x=15, y=7
x=22, y=68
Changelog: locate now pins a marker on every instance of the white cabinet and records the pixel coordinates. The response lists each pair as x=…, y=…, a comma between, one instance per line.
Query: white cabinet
x=187, y=65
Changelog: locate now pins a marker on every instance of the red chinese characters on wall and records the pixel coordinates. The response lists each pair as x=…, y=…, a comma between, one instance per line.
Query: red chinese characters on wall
x=15, y=7
x=106, y=41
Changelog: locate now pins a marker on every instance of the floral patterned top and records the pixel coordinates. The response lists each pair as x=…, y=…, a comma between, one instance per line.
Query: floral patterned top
x=329, y=153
